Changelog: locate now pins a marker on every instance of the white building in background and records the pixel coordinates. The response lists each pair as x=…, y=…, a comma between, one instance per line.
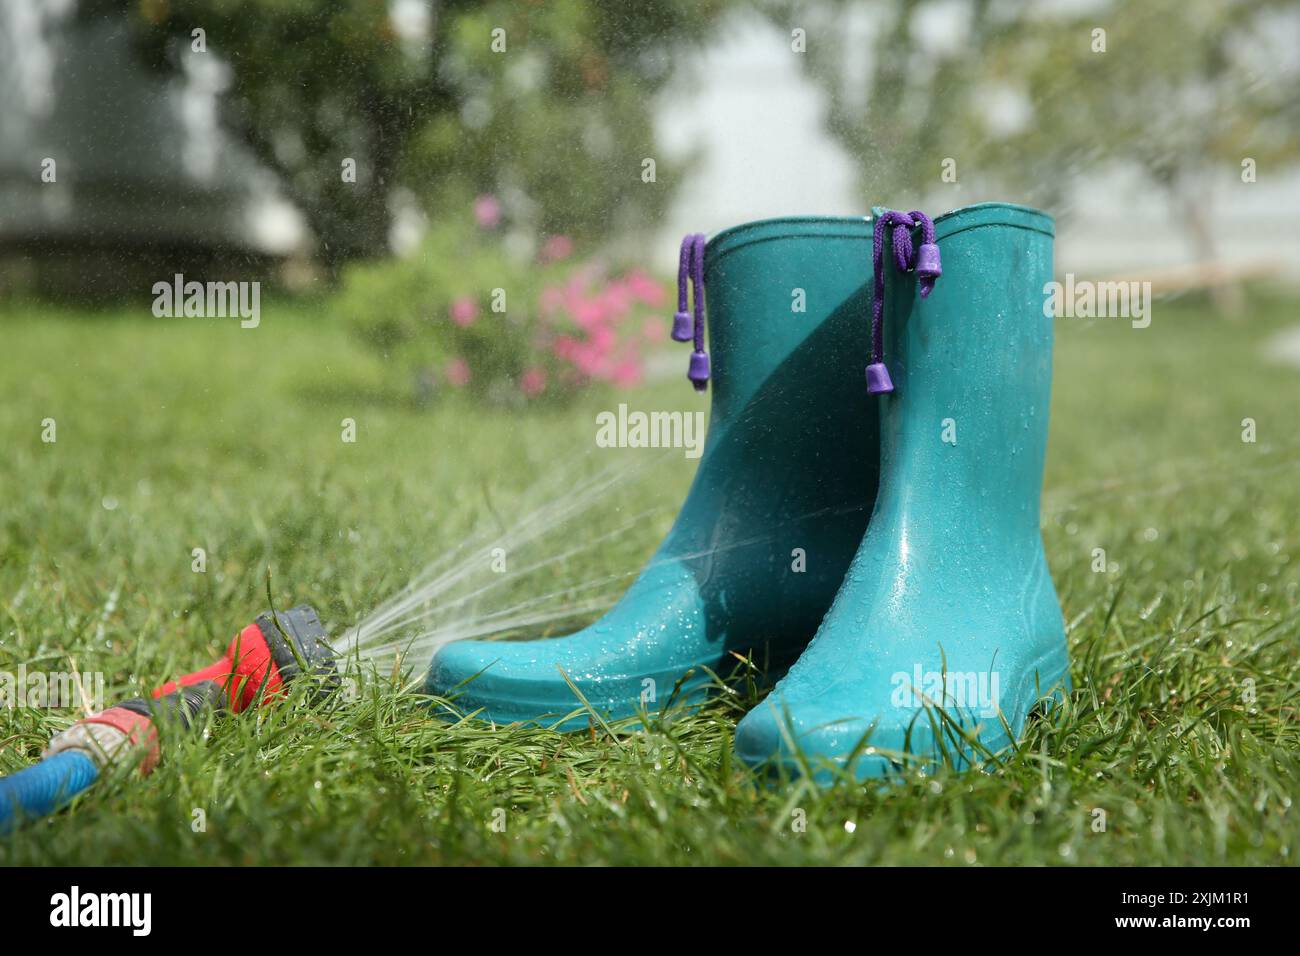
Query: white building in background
x=98, y=154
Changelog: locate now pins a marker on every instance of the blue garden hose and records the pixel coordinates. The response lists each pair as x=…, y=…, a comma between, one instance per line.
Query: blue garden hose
x=274, y=650
x=45, y=787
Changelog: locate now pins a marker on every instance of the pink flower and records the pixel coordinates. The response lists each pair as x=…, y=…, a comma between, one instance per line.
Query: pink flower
x=557, y=248
x=457, y=372
x=552, y=300
x=464, y=311
x=487, y=211
x=617, y=298
x=627, y=373
x=645, y=289
x=588, y=360
x=564, y=347
x=533, y=382
x=590, y=313
x=603, y=339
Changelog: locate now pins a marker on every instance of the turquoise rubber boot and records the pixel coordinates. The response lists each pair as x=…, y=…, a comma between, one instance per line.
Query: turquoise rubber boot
x=948, y=604
x=777, y=508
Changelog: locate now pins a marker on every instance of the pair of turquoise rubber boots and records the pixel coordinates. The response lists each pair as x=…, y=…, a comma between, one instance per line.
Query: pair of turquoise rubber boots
x=922, y=629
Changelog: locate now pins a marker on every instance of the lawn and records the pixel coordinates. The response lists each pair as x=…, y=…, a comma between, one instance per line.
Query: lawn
x=173, y=434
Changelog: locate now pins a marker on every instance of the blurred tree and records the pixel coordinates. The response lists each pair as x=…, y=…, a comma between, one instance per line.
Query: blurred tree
x=547, y=105
x=1026, y=98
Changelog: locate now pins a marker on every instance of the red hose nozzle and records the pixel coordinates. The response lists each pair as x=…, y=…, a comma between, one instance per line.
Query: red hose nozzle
x=275, y=649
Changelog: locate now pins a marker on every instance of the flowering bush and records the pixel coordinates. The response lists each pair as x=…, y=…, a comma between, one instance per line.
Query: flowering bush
x=464, y=315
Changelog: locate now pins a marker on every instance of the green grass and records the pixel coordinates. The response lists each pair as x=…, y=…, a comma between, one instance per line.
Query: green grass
x=175, y=434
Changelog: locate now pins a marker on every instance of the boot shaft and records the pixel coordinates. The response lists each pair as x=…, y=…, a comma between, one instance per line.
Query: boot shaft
x=790, y=465
x=972, y=369
x=786, y=299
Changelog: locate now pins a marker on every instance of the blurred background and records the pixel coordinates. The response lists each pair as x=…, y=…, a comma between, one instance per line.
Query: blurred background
x=407, y=156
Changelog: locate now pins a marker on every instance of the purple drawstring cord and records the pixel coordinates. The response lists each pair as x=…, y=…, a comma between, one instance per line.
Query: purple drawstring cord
x=690, y=267
x=698, y=372
x=682, y=319
x=928, y=269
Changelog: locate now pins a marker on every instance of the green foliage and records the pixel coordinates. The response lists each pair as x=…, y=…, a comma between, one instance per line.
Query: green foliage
x=1025, y=99
x=557, y=122
x=463, y=313
x=401, y=308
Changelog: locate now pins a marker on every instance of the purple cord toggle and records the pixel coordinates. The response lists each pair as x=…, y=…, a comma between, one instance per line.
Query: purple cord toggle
x=687, y=328
x=878, y=380
x=682, y=318
x=925, y=263
x=699, y=370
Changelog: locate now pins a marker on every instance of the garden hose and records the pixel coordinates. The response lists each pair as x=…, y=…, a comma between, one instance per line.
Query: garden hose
x=41, y=789
x=261, y=660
